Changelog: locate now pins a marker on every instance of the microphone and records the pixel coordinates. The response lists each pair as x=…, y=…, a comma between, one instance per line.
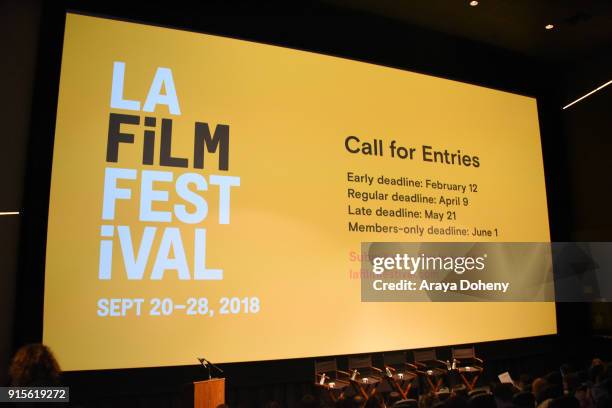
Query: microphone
x=207, y=363
x=323, y=378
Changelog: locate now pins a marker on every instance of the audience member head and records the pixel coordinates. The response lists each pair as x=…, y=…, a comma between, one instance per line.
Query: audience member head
x=460, y=391
x=524, y=382
x=482, y=401
x=308, y=401
x=566, y=369
x=571, y=382
x=564, y=402
x=597, y=373
x=554, y=377
x=604, y=402
x=358, y=401
x=601, y=392
x=428, y=400
x=34, y=365
x=344, y=403
x=456, y=401
x=503, y=394
x=372, y=403
x=523, y=399
x=537, y=385
x=443, y=394
x=550, y=391
x=394, y=396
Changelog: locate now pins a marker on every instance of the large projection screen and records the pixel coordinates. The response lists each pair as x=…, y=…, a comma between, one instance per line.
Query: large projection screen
x=209, y=197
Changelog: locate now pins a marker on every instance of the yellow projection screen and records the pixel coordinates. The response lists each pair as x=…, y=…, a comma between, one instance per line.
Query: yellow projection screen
x=209, y=197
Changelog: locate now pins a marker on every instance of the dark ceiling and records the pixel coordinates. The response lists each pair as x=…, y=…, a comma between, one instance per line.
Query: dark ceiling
x=582, y=27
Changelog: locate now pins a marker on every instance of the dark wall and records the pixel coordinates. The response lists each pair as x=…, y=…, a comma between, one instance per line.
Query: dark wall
x=311, y=27
x=19, y=22
x=588, y=129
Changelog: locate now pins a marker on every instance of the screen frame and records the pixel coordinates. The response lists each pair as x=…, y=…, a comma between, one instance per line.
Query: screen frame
x=30, y=288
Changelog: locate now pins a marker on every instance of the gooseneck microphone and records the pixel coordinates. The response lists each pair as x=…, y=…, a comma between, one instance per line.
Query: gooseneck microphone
x=206, y=363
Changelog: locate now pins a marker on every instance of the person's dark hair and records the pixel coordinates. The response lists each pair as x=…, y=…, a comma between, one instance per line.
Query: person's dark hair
x=525, y=381
x=482, y=401
x=523, y=399
x=344, y=403
x=308, y=401
x=583, y=375
x=554, y=377
x=393, y=397
x=572, y=382
x=460, y=391
x=549, y=391
x=567, y=401
x=443, y=395
x=504, y=392
x=596, y=373
x=566, y=369
x=604, y=402
x=34, y=365
x=428, y=400
x=608, y=372
x=372, y=403
x=455, y=402
x=358, y=401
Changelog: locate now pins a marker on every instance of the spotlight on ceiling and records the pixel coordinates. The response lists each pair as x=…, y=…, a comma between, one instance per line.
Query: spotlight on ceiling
x=549, y=26
x=473, y=3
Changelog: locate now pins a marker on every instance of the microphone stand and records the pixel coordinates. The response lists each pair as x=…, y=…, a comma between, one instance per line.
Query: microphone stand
x=205, y=365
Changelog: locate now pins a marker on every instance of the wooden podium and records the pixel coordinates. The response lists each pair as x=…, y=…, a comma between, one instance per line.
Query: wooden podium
x=208, y=393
